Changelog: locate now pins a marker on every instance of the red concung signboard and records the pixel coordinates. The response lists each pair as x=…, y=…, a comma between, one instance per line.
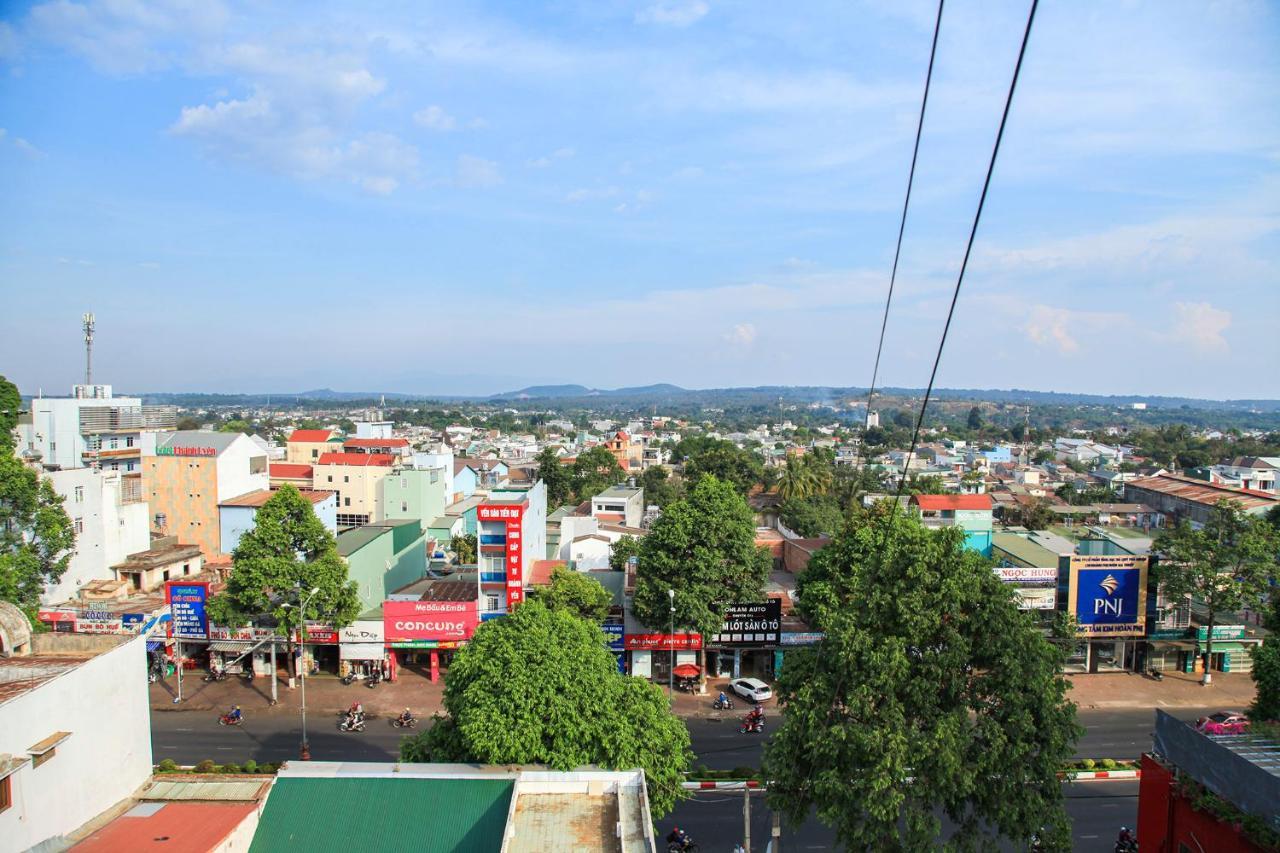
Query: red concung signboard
x=429, y=620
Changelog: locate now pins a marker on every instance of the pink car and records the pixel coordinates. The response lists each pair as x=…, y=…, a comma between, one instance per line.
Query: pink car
x=1223, y=723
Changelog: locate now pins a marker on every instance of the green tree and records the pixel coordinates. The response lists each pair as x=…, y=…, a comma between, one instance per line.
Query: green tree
x=288, y=553
x=797, y=481
x=703, y=547
x=10, y=406
x=813, y=516
x=188, y=423
x=594, y=471
x=464, y=549
x=1266, y=669
x=624, y=549
x=576, y=592
x=926, y=484
x=660, y=488
x=36, y=536
x=237, y=425
x=557, y=476
x=974, y=421
x=1227, y=564
x=930, y=693
x=727, y=462
x=540, y=687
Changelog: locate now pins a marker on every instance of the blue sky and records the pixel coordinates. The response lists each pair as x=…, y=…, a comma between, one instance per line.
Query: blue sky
x=467, y=197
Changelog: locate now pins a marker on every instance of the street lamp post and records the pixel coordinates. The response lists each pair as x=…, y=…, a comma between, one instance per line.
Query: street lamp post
x=671, y=673
x=302, y=668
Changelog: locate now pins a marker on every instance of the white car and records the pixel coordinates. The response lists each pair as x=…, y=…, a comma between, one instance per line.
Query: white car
x=751, y=688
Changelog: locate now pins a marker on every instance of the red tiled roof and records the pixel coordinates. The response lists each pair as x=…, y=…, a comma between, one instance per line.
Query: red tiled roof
x=290, y=470
x=376, y=442
x=610, y=516
x=261, y=496
x=542, y=569
x=311, y=435
x=174, y=828
x=357, y=459
x=940, y=502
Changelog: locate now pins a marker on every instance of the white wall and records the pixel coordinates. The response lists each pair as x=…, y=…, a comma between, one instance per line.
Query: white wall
x=234, y=478
x=110, y=531
x=535, y=528
x=573, y=526
x=103, y=704
x=589, y=554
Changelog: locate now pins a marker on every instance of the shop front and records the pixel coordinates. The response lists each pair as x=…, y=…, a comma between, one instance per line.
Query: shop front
x=362, y=649
x=654, y=656
x=1107, y=595
x=422, y=635
x=748, y=641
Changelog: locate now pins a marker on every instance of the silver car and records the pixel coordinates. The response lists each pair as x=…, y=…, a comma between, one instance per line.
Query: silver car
x=751, y=688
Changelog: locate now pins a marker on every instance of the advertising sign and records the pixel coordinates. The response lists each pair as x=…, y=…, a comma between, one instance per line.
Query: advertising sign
x=1037, y=597
x=186, y=451
x=665, y=642
x=321, y=634
x=757, y=624
x=1108, y=595
x=56, y=615
x=801, y=638
x=1025, y=576
x=186, y=603
x=512, y=516
x=441, y=621
x=1221, y=632
x=616, y=642
x=363, y=631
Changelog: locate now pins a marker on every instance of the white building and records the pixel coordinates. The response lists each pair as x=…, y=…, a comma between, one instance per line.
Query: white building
x=75, y=730
x=619, y=505
x=91, y=427
x=111, y=521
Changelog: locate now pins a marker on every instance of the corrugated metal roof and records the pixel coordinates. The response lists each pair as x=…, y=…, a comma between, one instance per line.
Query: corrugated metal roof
x=391, y=815
x=1023, y=549
x=208, y=790
x=1201, y=492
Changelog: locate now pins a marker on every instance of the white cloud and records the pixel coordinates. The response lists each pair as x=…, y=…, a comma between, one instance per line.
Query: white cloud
x=673, y=13
x=591, y=194
x=9, y=47
x=122, y=37
x=547, y=160
x=477, y=172
x=1200, y=325
x=435, y=118
x=1047, y=326
x=742, y=335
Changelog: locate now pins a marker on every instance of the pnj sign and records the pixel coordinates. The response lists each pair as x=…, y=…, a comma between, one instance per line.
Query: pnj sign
x=1108, y=595
x=186, y=451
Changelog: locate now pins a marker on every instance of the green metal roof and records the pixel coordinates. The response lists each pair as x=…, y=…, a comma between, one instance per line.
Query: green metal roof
x=391, y=815
x=350, y=541
x=1024, y=550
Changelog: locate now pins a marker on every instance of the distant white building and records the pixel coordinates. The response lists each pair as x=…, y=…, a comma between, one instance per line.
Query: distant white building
x=109, y=514
x=91, y=427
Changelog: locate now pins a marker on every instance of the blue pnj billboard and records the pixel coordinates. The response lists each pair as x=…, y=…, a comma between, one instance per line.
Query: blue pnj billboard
x=1108, y=595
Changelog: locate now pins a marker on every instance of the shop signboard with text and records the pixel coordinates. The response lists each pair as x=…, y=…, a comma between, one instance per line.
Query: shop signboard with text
x=663, y=642
x=438, y=621
x=755, y=624
x=1037, y=597
x=511, y=516
x=187, y=602
x=1108, y=595
x=1027, y=576
x=1221, y=632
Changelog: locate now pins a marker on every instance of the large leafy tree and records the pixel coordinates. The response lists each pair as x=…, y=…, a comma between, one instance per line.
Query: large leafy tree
x=36, y=536
x=556, y=475
x=623, y=550
x=660, y=488
x=594, y=471
x=1266, y=669
x=703, y=547
x=812, y=516
x=798, y=480
x=464, y=549
x=930, y=693
x=10, y=405
x=288, y=553
x=540, y=687
x=1227, y=564
x=576, y=592
x=728, y=462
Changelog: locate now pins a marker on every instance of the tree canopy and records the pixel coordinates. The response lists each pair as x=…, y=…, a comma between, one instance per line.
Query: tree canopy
x=540, y=687
x=594, y=471
x=36, y=536
x=576, y=592
x=557, y=476
x=10, y=405
x=930, y=691
x=624, y=549
x=660, y=488
x=1266, y=669
x=1227, y=564
x=721, y=459
x=813, y=516
x=704, y=548
x=287, y=550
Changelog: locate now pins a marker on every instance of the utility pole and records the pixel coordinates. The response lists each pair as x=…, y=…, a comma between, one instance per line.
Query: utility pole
x=777, y=832
x=88, y=349
x=746, y=818
x=177, y=657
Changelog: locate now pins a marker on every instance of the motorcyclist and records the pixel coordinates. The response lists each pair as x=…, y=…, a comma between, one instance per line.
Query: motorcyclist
x=235, y=715
x=1126, y=840
x=722, y=700
x=678, y=836
x=407, y=716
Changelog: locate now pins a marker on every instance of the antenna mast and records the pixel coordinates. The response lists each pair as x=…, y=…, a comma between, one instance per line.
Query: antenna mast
x=88, y=349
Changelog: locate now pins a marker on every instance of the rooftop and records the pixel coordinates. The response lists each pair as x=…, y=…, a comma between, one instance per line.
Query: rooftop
x=54, y=655
x=359, y=460
x=376, y=442
x=952, y=502
x=188, y=438
x=291, y=470
x=161, y=554
x=619, y=492
x=171, y=827
x=1022, y=549
x=312, y=435
x=1198, y=491
x=261, y=496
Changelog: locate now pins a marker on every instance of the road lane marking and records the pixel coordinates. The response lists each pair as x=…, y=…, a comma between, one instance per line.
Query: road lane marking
x=1086, y=836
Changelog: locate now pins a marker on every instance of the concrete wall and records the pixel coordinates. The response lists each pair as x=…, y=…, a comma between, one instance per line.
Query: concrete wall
x=110, y=530
x=235, y=476
x=185, y=489
x=420, y=494
x=356, y=485
x=234, y=522
x=103, y=704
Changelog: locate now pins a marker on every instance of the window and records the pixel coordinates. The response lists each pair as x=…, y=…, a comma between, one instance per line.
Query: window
x=257, y=464
x=404, y=506
x=315, y=454
x=113, y=443
x=6, y=795
x=186, y=568
x=492, y=602
x=79, y=526
x=128, y=442
x=37, y=760
x=79, y=494
x=166, y=574
x=330, y=478
x=346, y=501
x=346, y=479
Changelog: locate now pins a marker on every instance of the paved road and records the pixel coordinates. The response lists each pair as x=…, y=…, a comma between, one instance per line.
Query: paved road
x=714, y=818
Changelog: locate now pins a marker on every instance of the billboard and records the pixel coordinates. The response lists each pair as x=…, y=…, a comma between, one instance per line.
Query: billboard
x=1108, y=595
x=186, y=603
x=1037, y=597
x=664, y=642
x=441, y=621
x=756, y=624
x=512, y=516
x=1026, y=576
x=615, y=634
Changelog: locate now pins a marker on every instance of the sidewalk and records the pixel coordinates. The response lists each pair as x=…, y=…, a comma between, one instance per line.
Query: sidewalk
x=325, y=694
x=1229, y=691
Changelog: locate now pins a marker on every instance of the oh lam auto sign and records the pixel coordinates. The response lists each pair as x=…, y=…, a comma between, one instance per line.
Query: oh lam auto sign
x=442, y=621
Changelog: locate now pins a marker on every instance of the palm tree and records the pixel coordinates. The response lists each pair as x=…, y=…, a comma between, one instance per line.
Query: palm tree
x=797, y=481
x=821, y=475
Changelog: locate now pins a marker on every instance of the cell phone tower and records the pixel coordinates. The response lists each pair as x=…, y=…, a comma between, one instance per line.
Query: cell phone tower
x=88, y=349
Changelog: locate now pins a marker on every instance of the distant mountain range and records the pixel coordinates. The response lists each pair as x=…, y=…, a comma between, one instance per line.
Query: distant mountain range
x=553, y=391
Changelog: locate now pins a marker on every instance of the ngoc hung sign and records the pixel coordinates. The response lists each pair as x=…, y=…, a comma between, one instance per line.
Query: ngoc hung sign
x=1108, y=595
x=429, y=620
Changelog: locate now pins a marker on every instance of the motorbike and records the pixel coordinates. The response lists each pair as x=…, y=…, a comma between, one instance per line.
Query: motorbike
x=228, y=720
x=349, y=678
x=152, y=676
x=217, y=675
x=401, y=723
x=1126, y=843
x=751, y=725
x=351, y=724
x=247, y=675
x=1156, y=674
x=372, y=681
x=682, y=847
x=723, y=705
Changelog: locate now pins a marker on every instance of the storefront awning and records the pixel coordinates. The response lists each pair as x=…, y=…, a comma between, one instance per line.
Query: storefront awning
x=361, y=651
x=231, y=645
x=154, y=645
x=1173, y=644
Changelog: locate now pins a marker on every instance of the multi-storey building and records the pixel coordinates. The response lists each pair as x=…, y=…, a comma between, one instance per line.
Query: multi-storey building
x=110, y=518
x=187, y=474
x=305, y=446
x=355, y=477
x=91, y=428
x=512, y=536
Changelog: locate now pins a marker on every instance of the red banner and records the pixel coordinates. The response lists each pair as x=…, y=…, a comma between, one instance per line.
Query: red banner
x=429, y=620
x=56, y=615
x=662, y=642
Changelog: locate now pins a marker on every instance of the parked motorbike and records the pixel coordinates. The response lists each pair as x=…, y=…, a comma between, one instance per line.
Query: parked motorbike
x=216, y=675
x=349, y=678
x=351, y=724
x=400, y=723
x=723, y=705
x=247, y=675
x=228, y=720
x=152, y=676
x=1156, y=674
x=372, y=680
